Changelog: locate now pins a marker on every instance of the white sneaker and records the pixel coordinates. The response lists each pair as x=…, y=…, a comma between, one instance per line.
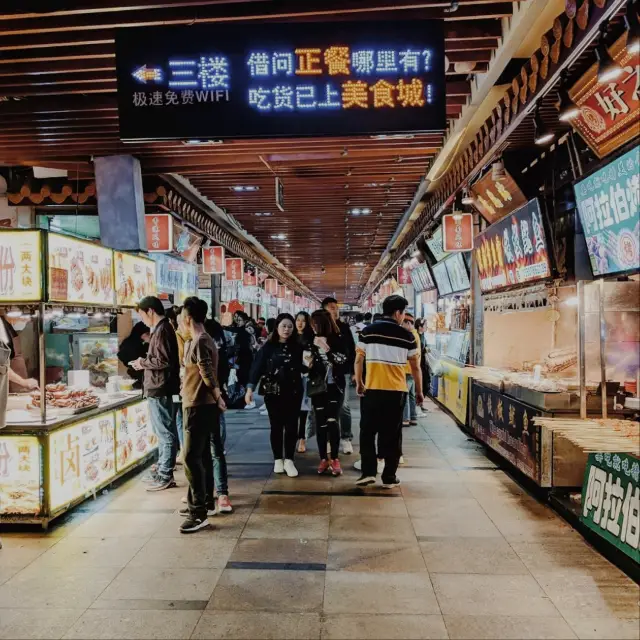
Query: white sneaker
x=264, y=412
x=251, y=405
x=278, y=467
x=357, y=465
x=347, y=447
x=290, y=468
x=380, y=466
x=401, y=460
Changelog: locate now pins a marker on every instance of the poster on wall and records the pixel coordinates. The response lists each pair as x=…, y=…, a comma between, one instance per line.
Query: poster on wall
x=457, y=270
x=436, y=246
x=20, y=480
x=506, y=426
x=135, y=278
x=608, y=203
x=134, y=435
x=513, y=251
x=20, y=266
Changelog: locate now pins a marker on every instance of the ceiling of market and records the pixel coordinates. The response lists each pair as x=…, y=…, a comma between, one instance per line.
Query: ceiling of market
x=58, y=109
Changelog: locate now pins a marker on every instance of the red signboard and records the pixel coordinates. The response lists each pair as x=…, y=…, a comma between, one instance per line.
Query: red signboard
x=159, y=232
x=288, y=295
x=403, y=276
x=233, y=268
x=213, y=260
x=281, y=292
x=457, y=232
x=298, y=301
x=250, y=278
x=271, y=286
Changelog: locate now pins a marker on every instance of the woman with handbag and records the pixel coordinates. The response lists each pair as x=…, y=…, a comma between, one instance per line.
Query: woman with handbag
x=305, y=338
x=278, y=368
x=328, y=363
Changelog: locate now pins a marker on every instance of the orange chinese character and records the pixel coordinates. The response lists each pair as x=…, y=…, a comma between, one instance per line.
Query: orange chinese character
x=308, y=62
x=411, y=94
x=354, y=94
x=337, y=60
x=382, y=94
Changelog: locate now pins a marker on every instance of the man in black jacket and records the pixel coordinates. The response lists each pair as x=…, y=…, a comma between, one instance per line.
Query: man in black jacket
x=330, y=304
x=161, y=369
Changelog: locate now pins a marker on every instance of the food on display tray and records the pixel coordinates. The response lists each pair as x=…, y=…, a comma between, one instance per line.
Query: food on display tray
x=60, y=396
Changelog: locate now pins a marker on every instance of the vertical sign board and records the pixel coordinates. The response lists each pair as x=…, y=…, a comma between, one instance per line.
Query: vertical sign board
x=233, y=269
x=497, y=198
x=308, y=78
x=250, y=275
x=457, y=232
x=404, y=275
x=271, y=286
x=159, y=229
x=213, y=260
x=611, y=500
x=20, y=266
x=281, y=291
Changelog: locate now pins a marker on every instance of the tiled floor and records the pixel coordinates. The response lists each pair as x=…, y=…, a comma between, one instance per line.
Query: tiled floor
x=460, y=551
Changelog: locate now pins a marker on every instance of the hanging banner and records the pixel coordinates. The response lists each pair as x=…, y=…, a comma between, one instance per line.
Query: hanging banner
x=497, y=198
x=233, y=268
x=250, y=275
x=281, y=291
x=608, y=202
x=159, y=229
x=186, y=243
x=404, y=275
x=457, y=232
x=298, y=301
x=288, y=294
x=213, y=260
x=271, y=286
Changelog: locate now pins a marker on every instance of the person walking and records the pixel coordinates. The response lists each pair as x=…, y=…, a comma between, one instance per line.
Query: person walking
x=410, y=417
x=386, y=347
x=278, y=368
x=330, y=304
x=202, y=403
x=305, y=338
x=161, y=368
x=327, y=366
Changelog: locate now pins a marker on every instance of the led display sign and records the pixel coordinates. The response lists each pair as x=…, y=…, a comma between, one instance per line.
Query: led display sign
x=217, y=81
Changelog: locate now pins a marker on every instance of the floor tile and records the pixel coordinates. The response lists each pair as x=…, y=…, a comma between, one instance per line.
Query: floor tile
x=118, y=525
x=450, y=518
x=95, y=623
x=247, y=590
x=19, y=552
x=383, y=627
x=502, y=595
x=293, y=505
x=392, y=557
x=483, y=627
x=438, y=490
x=368, y=506
x=91, y=552
x=403, y=593
x=162, y=583
x=293, y=527
x=185, y=553
x=471, y=555
x=32, y=624
x=240, y=625
x=371, y=528
x=605, y=628
x=275, y=550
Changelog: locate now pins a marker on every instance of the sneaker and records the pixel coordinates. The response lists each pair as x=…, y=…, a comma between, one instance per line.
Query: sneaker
x=184, y=500
x=357, y=465
x=251, y=405
x=191, y=525
x=323, y=466
x=336, y=469
x=380, y=467
x=224, y=504
x=391, y=484
x=264, y=412
x=302, y=446
x=150, y=478
x=365, y=481
x=161, y=484
x=278, y=466
x=401, y=461
x=290, y=468
x=413, y=422
x=347, y=447
x=185, y=513
x=405, y=423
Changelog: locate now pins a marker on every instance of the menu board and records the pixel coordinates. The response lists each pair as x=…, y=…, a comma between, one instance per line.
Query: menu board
x=20, y=266
x=441, y=276
x=436, y=245
x=81, y=458
x=608, y=204
x=135, y=279
x=176, y=276
x=421, y=278
x=20, y=475
x=514, y=250
x=457, y=271
x=79, y=271
x=134, y=435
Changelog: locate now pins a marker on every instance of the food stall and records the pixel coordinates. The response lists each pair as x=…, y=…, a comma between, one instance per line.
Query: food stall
x=86, y=426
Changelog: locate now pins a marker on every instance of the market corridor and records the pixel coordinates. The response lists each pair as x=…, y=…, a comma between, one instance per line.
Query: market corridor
x=460, y=551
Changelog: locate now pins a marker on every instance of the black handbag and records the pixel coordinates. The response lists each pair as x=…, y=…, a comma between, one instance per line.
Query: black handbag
x=317, y=380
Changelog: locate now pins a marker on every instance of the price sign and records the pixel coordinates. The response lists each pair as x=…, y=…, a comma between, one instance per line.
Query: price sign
x=233, y=269
x=159, y=229
x=213, y=260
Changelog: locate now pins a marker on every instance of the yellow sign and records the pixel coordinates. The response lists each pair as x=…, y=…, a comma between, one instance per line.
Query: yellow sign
x=20, y=475
x=81, y=458
x=453, y=390
x=135, y=279
x=134, y=435
x=79, y=271
x=20, y=266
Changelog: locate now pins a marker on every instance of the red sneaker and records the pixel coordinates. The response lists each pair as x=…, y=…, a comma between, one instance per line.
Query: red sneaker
x=224, y=504
x=323, y=466
x=336, y=469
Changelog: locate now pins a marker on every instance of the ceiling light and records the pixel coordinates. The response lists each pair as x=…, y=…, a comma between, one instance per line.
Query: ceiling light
x=279, y=236
x=497, y=171
x=467, y=198
x=543, y=133
x=244, y=187
x=355, y=211
x=567, y=108
x=201, y=142
x=633, y=28
x=366, y=211
x=394, y=136
x=608, y=68
x=263, y=214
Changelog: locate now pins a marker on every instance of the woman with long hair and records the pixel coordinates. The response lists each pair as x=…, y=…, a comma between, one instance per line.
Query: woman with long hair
x=327, y=368
x=305, y=338
x=278, y=368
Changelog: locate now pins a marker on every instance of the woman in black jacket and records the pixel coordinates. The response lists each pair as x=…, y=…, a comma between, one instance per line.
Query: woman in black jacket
x=278, y=367
x=305, y=338
x=326, y=386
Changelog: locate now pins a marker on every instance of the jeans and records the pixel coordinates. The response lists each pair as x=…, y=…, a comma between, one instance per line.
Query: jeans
x=179, y=426
x=346, y=432
x=164, y=426
x=410, y=404
x=218, y=457
x=326, y=406
x=381, y=413
x=283, y=418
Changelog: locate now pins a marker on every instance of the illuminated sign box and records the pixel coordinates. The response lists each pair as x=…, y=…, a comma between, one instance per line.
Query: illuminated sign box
x=338, y=78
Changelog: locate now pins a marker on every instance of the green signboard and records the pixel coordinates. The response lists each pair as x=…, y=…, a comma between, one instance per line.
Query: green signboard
x=611, y=500
x=608, y=204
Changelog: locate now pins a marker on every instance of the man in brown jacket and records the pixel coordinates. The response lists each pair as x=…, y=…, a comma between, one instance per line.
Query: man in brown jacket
x=161, y=382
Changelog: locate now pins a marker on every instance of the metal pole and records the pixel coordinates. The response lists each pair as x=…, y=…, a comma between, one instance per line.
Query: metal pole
x=581, y=351
x=603, y=366
x=42, y=364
